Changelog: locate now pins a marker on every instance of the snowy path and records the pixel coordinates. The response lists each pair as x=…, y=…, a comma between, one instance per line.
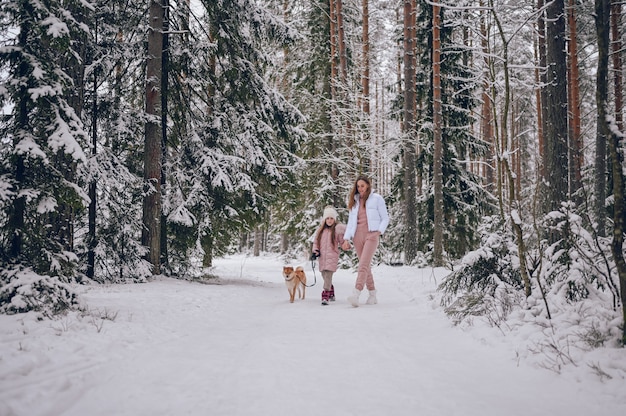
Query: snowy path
x=240, y=348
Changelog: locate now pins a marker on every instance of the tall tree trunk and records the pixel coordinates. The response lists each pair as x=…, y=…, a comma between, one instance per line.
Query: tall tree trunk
x=258, y=241
x=516, y=148
x=365, y=86
x=284, y=242
x=165, y=57
x=486, y=122
x=438, y=141
x=616, y=46
x=343, y=73
x=600, y=173
x=543, y=80
x=410, y=207
x=576, y=151
x=341, y=44
x=334, y=64
x=486, y=119
x=513, y=210
x=399, y=57
x=334, y=80
x=538, y=95
x=92, y=241
x=556, y=141
x=206, y=240
x=365, y=81
x=62, y=219
x=615, y=152
x=417, y=105
x=151, y=234
x=18, y=211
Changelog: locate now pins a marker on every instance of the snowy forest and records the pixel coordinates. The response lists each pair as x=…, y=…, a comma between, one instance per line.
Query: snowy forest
x=143, y=138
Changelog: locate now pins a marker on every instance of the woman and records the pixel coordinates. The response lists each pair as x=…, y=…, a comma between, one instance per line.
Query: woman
x=368, y=220
x=326, y=246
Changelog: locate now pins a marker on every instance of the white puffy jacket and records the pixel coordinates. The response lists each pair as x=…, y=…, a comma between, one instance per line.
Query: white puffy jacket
x=377, y=216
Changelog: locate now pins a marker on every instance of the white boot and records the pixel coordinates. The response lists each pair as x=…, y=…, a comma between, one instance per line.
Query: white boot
x=354, y=299
x=371, y=300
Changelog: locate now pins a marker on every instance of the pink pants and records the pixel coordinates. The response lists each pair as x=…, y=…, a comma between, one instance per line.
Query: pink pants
x=365, y=245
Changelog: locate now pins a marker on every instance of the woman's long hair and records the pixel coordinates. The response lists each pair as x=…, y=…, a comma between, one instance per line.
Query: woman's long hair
x=355, y=190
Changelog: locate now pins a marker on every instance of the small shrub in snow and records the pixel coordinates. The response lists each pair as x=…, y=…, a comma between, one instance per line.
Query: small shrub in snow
x=23, y=290
x=593, y=336
x=487, y=283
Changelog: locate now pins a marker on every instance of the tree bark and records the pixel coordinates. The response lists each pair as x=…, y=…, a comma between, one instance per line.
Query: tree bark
x=438, y=141
x=543, y=80
x=555, y=132
x=576, y=151
x=616, y=46
x=258, y=241
x=601, y=134
x=165, y=57
x=365, y=82
x=92, y=241
x=513, y=210
x=333, y=50
x=617, y=171
x=410, y=207
x=18, y=211
x=341, y=43
x=151, y=234
x=486, y=123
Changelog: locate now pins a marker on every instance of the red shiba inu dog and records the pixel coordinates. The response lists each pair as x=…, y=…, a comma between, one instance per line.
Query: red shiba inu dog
x=295, y=280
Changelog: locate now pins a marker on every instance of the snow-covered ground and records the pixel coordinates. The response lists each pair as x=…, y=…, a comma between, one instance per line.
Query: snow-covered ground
x=238, y=347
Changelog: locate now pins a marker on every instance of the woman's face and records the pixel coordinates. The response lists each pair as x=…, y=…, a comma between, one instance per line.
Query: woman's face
x=361, y=187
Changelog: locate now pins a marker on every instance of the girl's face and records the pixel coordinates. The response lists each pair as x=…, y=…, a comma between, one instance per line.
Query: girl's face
x=361, y=187
x=330, y=221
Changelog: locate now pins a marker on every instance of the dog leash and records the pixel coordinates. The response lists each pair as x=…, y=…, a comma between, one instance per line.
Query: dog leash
x=314, y=275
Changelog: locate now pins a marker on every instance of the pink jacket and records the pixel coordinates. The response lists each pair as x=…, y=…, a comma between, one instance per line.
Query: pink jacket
x=329, y=253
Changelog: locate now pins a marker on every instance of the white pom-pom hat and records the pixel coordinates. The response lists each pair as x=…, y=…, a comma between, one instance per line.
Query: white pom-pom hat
x=329, y=212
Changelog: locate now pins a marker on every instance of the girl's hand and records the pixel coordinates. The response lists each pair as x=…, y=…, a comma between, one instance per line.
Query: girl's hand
x=346, y=245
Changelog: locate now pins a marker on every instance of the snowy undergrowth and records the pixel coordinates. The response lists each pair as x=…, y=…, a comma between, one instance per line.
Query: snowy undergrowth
x=573, y=320
x=586, y=334
x=23, y=290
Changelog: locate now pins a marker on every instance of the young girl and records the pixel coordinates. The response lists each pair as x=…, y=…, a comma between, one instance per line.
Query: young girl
x=326, y=244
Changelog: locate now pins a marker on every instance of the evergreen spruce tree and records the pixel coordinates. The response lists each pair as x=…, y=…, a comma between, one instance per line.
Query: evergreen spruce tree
x=235, y=151
x=42, y=153
x=114, y=104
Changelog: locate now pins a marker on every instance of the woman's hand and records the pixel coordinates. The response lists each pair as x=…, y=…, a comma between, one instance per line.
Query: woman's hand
x=346, y=245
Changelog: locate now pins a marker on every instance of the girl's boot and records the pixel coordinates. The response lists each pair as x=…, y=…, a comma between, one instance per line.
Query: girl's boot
x=332, y=293
x=325, y=297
